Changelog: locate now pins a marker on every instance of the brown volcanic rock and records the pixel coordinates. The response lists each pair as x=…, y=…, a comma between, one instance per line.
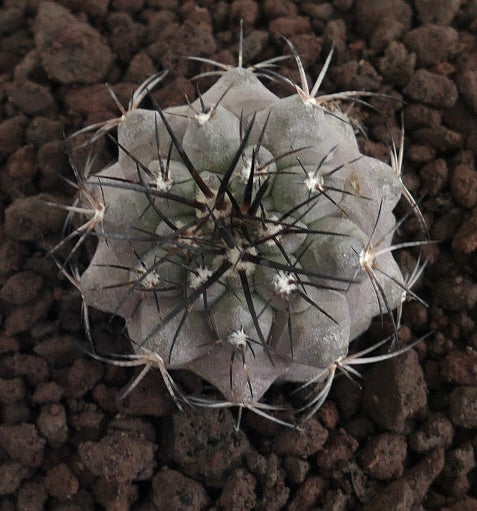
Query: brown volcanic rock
x=71, y=51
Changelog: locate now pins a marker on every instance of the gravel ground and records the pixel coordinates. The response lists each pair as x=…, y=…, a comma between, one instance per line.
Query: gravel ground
x=404, y=441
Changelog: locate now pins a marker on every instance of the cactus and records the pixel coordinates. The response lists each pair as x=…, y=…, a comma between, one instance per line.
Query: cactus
x=243, y=237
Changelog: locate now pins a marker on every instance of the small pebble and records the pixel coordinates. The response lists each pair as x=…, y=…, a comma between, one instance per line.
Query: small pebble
x=172, y=490
x=21, y=288
x=11, y=475
x=308, y=494
x=432, y=43
x=61, y=483
x=437, y=11
x=239, y=491
x=463, y=184
x=134, y=457
x=397, y=496
x=437, y=431
x=31, y=496
x=463, y=407
x=383, y=456
x=29, y=97
x=22, y=164
x=70, y=50
x=23, y=443
x=53, y=425
x=394, y=391
x=432, y=89
x=301, y=443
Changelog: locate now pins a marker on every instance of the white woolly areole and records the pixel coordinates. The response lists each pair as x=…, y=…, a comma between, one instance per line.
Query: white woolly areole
x=234, y=255
x=151, y=280
x=209, y=202
x=200, y=276
x=203, y=117
x=309, y=101
x=189, y=236
x=366, y=258
x=317, y=102
x=283, y=284
x=98, y=215
x=237, y=339
x=163, y=185
x=161, y=182
x=314, y=181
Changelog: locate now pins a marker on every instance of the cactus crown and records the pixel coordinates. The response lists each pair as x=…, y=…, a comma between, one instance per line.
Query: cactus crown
x=243, y=237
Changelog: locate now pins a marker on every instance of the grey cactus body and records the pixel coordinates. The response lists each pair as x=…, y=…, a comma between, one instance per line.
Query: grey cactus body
x=237, y=237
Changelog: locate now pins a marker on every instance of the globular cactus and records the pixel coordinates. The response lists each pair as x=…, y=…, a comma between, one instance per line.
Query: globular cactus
x=244, y=237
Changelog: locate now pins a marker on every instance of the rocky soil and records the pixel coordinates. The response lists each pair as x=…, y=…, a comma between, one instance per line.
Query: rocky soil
x=406, y=438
